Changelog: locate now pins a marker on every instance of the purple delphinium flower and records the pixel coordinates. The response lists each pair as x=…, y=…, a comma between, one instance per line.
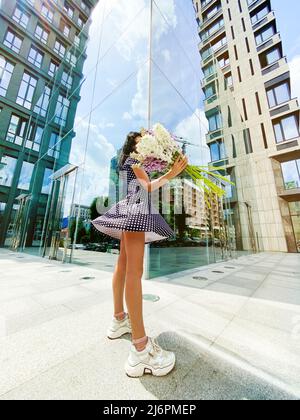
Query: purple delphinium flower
x=152, y=164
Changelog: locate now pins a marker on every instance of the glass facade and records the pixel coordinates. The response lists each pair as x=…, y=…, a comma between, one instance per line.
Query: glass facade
x=142, y=67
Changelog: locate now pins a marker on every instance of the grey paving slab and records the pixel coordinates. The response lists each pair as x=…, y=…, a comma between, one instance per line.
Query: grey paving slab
x=236, y=335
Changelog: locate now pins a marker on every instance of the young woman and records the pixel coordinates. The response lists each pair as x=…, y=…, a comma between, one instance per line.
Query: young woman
x=136, y=222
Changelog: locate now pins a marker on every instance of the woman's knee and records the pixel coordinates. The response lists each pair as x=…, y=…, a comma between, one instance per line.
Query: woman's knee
x=134, y=272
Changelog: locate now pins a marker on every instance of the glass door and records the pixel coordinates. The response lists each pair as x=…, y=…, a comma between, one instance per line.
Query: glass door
x=56, y=243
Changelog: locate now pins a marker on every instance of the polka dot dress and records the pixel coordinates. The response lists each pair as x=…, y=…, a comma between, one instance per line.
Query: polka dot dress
x=135, y=213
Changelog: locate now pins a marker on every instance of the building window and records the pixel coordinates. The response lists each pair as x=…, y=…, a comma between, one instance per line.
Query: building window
x=25, y=176
x=68, y=9
x=67, y=80
x=260, y=14
x=41, y=34
x=16, y=130
x=247, y=141
x=13, y=41
x=41, y=107
x=47, y=13
x=77, y=40
x=234, y=152
x=21, y=17
x=34, y=139
x=85, y=7
x=286, y=129
x=35, y=57
x=53, y=69
x=217, y=151
x=210, y=91
x=47, y=181
x=265, y=34
x=279, y=94
x=81, y=22
x=215, y=122
x=61, y=111
x=291, y=174
x=71, y=59
x=223, y=61
x=26, y=91
x=65, y=29
x=258, y=103
x=54, y=146
x=208, y=71
x=6, y=71
x=59, y=48
x=270, y=57
x=7, y=170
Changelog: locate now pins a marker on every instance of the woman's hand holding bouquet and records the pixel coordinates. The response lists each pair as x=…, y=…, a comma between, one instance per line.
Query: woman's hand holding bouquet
x=158, y=151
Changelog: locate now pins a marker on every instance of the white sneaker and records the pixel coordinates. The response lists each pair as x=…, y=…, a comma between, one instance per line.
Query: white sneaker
x=153, y=359
x=119, y=328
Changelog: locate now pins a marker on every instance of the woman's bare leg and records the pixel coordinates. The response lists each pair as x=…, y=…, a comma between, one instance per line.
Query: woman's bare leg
x=119, y=282
x=135, y=249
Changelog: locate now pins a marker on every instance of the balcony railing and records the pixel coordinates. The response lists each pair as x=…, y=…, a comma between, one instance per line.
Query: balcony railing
x=210, y=38
x=269, y=17
x=207, y=22
x=273, y=40
x=285, y=108
x=274, y=66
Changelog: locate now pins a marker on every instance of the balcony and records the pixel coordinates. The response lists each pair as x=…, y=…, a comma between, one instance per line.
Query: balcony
x=214, y=135
x=270, y=17
x=285, y=108
x=210, y=102
x=208, y=79
x=271, y=42
x=254, y=4
x=212, y=37
x=277, y=68
x=207, y=22
x=207, y=5
x=214, y=54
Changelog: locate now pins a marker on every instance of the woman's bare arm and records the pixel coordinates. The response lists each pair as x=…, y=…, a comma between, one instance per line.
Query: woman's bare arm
x=150, y=186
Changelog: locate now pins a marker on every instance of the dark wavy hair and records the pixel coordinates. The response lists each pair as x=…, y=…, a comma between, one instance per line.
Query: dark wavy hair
x=128, y=147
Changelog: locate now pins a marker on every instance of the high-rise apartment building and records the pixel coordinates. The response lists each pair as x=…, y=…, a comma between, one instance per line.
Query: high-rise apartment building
x=42, y=53
x=253, y=120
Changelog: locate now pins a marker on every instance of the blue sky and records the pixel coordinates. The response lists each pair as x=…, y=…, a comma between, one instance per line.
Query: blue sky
x=288, y=14
x=116, y=87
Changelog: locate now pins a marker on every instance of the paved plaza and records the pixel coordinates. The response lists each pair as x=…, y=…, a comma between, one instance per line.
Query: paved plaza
x=235, y=329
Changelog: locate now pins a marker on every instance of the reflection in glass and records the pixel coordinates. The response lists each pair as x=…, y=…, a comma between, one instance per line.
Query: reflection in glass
x=25, y=176
x=291, y=174
x=7, y=169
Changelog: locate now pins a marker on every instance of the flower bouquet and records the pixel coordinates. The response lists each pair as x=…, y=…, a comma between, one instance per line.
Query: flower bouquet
x=157, y=152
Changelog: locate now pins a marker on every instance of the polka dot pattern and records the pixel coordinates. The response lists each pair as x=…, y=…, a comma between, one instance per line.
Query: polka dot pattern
x=135, y=213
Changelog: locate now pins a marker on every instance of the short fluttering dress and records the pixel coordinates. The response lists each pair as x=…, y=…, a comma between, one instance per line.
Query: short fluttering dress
x=134, y=213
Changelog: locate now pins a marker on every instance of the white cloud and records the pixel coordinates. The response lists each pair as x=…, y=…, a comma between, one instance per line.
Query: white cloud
x=95, y=169
x=139, y=104
x=164, y=18
x=295, y=76
x=127, y=116
x=166, y=54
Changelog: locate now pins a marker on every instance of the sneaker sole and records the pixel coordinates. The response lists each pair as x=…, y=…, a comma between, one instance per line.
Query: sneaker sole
x=117, y=334
x=140, y=370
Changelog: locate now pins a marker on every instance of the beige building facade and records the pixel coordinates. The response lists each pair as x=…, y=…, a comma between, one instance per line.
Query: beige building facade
x=253, y=120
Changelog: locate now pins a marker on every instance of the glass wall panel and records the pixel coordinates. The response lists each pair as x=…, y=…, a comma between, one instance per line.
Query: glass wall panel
x=140, y=66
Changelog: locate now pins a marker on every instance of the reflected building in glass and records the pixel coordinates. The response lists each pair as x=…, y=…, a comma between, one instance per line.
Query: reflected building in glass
x=253, y=120
x=141, y=66
x=42, y=53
